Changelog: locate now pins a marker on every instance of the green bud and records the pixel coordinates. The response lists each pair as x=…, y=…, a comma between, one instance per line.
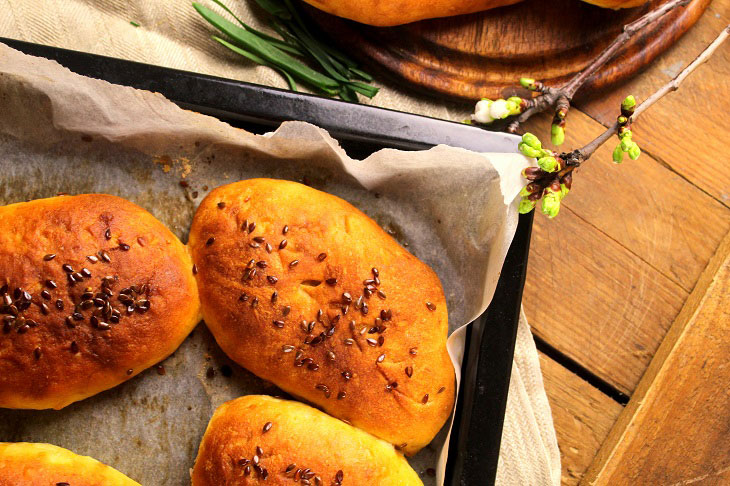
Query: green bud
x=626, y=143
x=563, y=190
x=548, y=164
x=634, y=151
x=513, y=108
x=628, y=103
x=551, y=204
x=618, y=154
x=557, y=134
x=526, y=206
x=527, y=83
x=514, y=103
x=622, y=119
x=531, y=140
x=625, y=133
x=529, y=151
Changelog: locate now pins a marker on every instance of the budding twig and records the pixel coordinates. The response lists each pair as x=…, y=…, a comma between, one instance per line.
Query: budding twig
x=673, y=85
x=560, y=98
x=551, y=180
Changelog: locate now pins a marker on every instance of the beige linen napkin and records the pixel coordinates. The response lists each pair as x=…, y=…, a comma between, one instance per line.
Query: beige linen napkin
x=171, y=34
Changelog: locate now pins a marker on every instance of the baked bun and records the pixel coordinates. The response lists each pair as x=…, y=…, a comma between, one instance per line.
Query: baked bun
x=60, y=342
x=616, y=4
x=397, y=12
x=26, y=464
x=263, y=440
x=307, y=292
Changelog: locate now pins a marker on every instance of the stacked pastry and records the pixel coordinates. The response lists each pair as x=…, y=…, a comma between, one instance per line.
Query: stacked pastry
x=296, y=285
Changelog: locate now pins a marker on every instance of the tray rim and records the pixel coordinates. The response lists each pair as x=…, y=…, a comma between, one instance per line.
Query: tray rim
x=490, y=340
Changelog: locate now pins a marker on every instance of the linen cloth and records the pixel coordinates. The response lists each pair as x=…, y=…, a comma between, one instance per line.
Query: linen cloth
x=172, y=34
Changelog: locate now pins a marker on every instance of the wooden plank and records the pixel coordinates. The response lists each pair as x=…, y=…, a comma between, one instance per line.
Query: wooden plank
x=582, y=416
x=637, y=204
x=686, y=130
x=675, y=428
x=595, y=301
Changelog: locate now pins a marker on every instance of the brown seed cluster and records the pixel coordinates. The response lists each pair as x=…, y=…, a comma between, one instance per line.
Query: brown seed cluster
x=95, y=305
x=253, y=465
x=307, y=477
x=12, y=307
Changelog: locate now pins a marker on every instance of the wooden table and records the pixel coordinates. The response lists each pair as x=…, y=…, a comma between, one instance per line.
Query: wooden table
x=628, y=289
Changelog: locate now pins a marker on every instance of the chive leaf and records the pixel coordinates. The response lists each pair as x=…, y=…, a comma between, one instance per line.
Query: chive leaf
x=267, y=51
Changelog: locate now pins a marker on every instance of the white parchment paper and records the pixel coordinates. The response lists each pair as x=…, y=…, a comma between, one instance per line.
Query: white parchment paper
x=60, y=132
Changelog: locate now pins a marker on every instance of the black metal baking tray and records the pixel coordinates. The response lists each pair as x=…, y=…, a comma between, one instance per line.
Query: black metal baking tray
x=361, y=130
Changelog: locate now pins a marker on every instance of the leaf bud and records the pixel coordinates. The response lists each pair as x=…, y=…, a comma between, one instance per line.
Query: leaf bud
x=548, y=164
x=531, y=173
x=526, y=206
x=551, y=203
x=529, y=151
x=628, y=103
x=567, y=180
x=513, y=108
x=531, y=140
x=564, y=190
x=527, y=83
x=529, y=189
x=626, y=143
x=557, y=134
x=618, y=154
x=634, y=151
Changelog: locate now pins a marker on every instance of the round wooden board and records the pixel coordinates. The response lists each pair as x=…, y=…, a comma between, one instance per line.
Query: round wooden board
x=484, y=54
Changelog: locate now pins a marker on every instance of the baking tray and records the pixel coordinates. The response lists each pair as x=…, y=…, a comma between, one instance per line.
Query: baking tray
x=362, y=130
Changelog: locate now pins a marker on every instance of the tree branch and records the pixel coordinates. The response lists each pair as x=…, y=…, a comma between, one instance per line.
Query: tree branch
x=673, y=85
x=549, y=96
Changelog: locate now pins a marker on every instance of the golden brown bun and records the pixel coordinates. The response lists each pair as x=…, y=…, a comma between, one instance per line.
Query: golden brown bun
x=49, y=361
x=26, y=464
x=331, y=240
x=616, y=4
x=397, y=12
x=298, y=440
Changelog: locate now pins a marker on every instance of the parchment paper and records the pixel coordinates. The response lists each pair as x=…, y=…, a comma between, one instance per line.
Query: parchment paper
x=60, y=132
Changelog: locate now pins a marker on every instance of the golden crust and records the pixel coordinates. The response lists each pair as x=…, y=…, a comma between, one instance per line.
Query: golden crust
x=55, y=362
x=616, y=4
x=396, y=12
x=405, y=397
x=27, y=464
x=296, y=434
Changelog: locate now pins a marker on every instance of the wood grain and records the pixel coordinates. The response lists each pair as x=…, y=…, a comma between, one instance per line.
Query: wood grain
x=675, y=429
x=484, y=54
x=595, y=301
x=582, y=416
x=687, y=130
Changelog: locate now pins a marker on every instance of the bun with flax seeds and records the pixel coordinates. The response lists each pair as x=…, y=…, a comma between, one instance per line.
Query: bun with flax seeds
x=28, y=464
x=307, y=292
x=263, y=440
x=93, y=290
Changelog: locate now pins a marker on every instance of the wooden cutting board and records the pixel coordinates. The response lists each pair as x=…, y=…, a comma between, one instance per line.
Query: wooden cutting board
x=484, y=54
